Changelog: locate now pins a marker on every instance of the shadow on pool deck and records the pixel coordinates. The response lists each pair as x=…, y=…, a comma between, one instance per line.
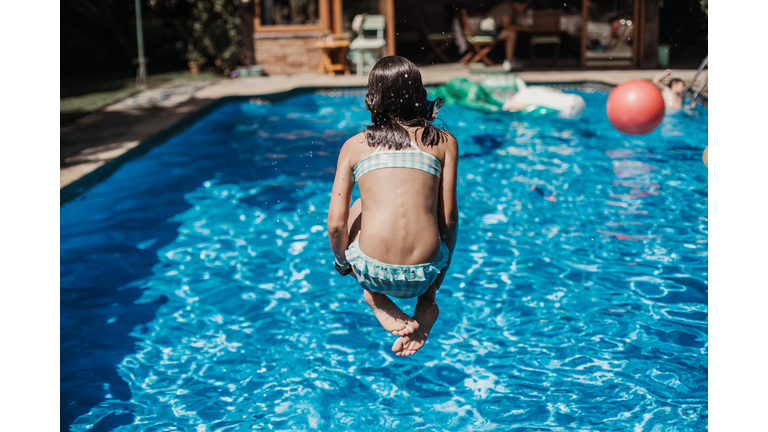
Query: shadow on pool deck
x=91, y=141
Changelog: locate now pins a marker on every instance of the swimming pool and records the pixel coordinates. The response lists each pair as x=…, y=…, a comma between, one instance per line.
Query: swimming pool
x=198, y=294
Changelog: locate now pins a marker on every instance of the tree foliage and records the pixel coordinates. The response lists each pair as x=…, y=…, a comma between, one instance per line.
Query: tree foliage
x=211, y=32
x=100, y=35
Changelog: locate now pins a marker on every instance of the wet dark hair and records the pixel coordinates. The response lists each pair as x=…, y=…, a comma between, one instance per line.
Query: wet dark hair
x=396, y=98
x=674, y=80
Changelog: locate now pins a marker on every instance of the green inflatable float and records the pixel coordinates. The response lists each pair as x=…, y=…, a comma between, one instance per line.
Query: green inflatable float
x=511, y=93
x=471, y=94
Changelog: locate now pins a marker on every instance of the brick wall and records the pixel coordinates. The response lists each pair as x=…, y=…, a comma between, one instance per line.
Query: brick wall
x=286, y=53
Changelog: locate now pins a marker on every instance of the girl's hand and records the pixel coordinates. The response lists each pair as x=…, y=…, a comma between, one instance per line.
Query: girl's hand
x=344, y=269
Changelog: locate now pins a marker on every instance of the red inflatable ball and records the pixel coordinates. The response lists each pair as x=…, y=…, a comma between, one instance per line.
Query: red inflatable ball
x=635, y=107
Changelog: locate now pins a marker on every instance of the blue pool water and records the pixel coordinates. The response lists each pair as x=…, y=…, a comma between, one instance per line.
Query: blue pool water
x=197, y=291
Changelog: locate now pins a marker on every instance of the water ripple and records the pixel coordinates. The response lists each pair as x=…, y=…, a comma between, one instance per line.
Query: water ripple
x=577, y=298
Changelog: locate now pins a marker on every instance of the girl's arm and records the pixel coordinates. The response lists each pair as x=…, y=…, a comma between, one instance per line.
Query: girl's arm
x=447, y=206
x=657, y=79
x=338, y=211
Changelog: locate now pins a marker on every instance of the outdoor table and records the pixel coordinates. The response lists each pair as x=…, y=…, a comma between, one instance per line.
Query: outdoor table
x=334, y=56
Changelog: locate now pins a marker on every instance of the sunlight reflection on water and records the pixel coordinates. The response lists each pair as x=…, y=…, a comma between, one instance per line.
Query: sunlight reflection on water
x=586, y=310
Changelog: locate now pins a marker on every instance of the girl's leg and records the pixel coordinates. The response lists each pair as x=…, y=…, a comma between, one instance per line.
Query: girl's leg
x=389, y=315
x=386, y=311
x=426, y=314
x=355, y=220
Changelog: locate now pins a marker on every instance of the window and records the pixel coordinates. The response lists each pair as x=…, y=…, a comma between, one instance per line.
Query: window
x=291, y=15
x=610, y=36
x=289, y=12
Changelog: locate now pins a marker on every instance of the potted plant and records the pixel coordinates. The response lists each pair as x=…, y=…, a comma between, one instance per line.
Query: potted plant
x=212, y=33
x=195, y=60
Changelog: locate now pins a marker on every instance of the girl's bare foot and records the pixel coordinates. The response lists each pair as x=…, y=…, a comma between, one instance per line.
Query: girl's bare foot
x=426, y=314
x=409, y=344
x=389, y=315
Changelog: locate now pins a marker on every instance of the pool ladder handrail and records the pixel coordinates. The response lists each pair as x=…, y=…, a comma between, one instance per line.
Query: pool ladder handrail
x=690, y=83
x=696, y=95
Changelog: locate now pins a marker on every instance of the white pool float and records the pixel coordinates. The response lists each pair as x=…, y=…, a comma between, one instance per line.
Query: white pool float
x=545, y=100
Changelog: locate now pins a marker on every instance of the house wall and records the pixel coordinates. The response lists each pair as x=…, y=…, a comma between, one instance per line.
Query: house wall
x=287, y=53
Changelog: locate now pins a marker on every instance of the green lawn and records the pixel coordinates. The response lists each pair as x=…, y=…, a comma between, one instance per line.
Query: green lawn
x=86, y=94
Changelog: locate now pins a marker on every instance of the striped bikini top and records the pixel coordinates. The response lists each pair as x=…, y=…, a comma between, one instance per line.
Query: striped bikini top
x=417, y=159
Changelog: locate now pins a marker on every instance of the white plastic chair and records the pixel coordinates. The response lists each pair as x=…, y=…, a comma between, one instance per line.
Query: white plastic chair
x=361, y=43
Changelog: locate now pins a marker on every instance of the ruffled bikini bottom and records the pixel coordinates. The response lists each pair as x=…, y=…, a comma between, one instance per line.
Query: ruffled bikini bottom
x=400, y=281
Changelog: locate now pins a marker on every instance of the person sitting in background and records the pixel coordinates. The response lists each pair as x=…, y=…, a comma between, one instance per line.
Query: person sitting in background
x=501, y=23
x=673, y=92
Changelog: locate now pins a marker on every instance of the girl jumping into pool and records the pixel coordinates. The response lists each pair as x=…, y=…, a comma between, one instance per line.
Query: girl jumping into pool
x=398, y=238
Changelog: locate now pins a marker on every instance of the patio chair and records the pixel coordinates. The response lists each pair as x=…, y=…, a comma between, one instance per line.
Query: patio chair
x=479, y=46
x=545, y=30
x=362, y=43
x=438, y=41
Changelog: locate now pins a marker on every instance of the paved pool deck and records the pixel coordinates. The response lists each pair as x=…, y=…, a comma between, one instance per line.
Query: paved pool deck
x=91, y=141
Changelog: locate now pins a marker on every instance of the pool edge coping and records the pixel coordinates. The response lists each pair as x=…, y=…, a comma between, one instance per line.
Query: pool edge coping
x=79, y=187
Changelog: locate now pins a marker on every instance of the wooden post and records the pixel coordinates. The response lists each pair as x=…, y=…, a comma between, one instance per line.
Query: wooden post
x=387, y=8
x=584, y=18
x=337, y=25
x=640, y=23
x=637, y=21
x=324, y=13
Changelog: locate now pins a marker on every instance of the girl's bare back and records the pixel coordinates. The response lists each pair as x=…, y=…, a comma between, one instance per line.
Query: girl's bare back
x=399, y=210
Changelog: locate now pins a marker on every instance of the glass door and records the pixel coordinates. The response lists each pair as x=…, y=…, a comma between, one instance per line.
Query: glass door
x=611, y=29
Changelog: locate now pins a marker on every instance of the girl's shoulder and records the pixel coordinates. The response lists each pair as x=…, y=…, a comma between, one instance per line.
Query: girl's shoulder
x=357, y=139
x=446, y=145
x=450, y=140
x=356, y=148
x=446, y=138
